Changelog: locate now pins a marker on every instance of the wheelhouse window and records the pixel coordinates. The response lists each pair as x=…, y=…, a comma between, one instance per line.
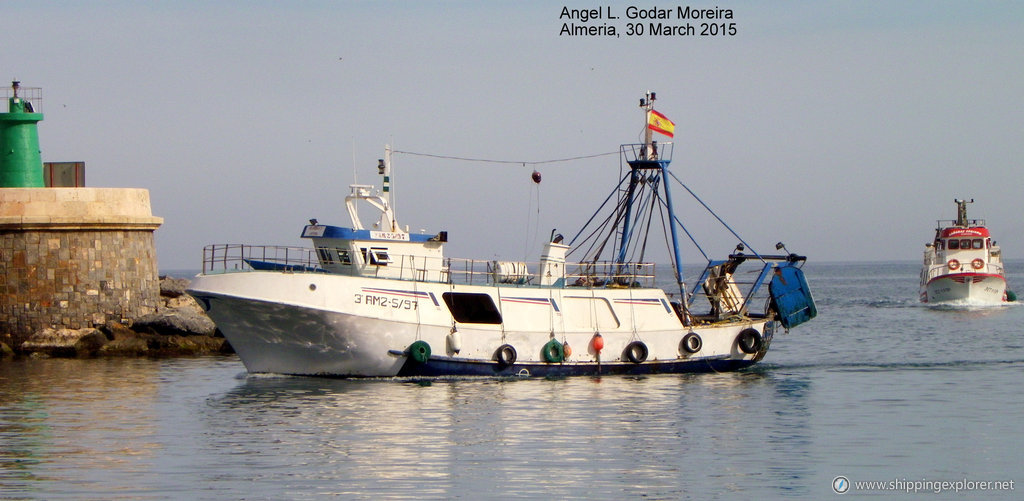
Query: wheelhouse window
x=380, y=256
x=344, y=256
x=954, y=244
x=978, y=243
x=472, y=308
x=376, y=255
x=325, y=255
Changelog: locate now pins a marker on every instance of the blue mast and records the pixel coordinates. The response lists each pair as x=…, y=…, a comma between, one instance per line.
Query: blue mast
x=649, y=159
x=634, y=179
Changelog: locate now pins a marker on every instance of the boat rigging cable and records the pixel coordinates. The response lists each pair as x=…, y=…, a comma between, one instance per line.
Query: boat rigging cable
x=653, y=192
x=600, y=247
x=642, y=215
x=520, y=162
x=694, y=195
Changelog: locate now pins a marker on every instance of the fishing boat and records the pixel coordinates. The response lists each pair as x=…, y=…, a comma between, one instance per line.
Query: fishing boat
x=963, y=264
x=380, y=301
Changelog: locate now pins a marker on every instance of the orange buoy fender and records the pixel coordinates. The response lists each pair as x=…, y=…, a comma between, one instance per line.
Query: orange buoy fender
x=597, y=342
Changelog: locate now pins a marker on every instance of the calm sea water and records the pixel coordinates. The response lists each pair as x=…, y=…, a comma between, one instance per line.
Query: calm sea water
x=877, y=388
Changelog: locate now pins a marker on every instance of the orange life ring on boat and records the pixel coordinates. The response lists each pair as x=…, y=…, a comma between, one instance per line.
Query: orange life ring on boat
x=953, y=264
x=978, y=263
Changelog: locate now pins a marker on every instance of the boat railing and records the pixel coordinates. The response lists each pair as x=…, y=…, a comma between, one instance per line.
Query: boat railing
x=610, y=274
x=224, y=258
x=228, y=258
x=641, y=152
x=937, y=268
x=593, y=274
x=946, y=223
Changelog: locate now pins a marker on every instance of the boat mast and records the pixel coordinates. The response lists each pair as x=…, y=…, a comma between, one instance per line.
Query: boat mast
x=384, y=169
x=670, y=208
x=648, y=159
x=961, y=211
x=647, y=152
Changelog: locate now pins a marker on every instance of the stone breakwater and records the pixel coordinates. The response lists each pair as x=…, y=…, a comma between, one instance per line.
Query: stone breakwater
x=75, y=258
x=178, y=327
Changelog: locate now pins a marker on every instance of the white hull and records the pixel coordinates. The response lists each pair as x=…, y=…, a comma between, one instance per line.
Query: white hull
x=971, y=288
x=337, y=325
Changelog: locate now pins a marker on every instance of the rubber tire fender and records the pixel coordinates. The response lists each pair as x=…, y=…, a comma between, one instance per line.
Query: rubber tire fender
x=691, y=343
x=636, y=352
x=505, y=355
x=749, y=341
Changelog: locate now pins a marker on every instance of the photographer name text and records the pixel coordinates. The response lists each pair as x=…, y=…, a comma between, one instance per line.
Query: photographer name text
x=633, y=21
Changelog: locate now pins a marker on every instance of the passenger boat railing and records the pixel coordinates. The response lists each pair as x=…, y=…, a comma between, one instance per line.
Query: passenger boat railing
x=942, y=268
x=230, y=258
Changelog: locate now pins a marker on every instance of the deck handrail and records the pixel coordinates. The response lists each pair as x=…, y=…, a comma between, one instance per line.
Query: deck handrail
x=230, y=258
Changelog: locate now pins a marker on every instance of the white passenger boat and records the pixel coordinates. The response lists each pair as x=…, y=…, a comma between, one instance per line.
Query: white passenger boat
x=381, y=301
x=963, y=264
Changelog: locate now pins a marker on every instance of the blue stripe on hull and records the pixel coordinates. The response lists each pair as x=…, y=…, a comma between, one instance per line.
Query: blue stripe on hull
x=445, y=367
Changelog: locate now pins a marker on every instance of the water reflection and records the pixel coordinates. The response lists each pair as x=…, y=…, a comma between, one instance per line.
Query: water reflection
x=144, y=429
x=66, y=424
x=579, y=437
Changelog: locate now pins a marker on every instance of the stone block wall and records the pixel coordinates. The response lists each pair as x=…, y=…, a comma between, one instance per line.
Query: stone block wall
x=75, y=279
x=74, y=258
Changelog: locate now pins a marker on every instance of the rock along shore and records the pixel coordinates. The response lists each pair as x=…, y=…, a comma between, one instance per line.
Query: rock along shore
x=179, y=327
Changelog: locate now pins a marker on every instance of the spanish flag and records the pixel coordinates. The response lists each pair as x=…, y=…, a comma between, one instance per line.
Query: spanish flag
x=660, y=123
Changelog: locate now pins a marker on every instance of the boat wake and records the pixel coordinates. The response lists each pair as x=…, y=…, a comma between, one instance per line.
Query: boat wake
x=892, y=303
x=969, y=305
x=883, y=366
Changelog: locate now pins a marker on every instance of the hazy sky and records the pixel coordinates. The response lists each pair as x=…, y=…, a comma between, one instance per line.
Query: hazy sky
x=844, y=129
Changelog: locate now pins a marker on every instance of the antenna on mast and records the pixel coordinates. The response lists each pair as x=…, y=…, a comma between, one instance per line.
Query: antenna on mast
x=355, y=177
x=961, y=211
x=384, y=169
x=649, y=151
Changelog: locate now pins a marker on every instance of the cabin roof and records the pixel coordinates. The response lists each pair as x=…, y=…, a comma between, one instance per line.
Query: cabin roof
x=977, y=231
x=328, y=231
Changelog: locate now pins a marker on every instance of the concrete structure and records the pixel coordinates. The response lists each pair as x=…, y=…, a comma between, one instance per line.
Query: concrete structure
x=74, y=258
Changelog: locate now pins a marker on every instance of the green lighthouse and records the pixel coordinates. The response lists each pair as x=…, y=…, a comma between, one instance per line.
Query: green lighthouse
x=20, y=163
